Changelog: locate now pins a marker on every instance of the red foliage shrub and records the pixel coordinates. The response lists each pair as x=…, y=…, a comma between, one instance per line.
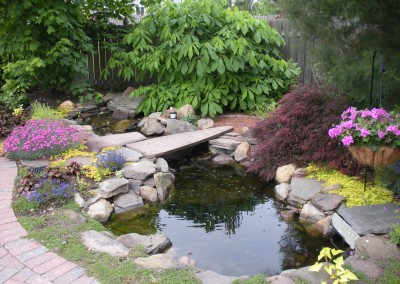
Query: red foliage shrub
x=297, y=132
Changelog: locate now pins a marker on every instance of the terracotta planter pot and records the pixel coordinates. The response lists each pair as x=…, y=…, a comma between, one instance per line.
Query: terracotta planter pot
x=382, y=157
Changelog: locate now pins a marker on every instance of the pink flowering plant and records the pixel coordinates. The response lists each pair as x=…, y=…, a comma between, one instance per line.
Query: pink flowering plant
x=39, y=139
x=372, y=128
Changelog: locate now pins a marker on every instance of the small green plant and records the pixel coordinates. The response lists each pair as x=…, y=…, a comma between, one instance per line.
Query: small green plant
x=394, y=234
x=43, y=111
x=52, y=191
x=334, y=266
x=23, y=205
x=191, y=119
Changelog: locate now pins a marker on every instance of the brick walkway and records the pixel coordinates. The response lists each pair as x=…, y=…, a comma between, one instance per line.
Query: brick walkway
x=23, y=260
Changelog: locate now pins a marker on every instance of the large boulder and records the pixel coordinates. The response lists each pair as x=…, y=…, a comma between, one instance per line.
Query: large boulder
x=175, y=126
x=140, y=170
x=164, y=183
x=185, y=111
x=103, y=243
x=284, y=174
x=376, y=249
x=152, y=244
x=370, y=269
x=67, y=105
x=321, y=228
x=310, y=214
x=100, y=210
x=157, y=261
x=241, y=152
x=327, y=202
x=124, y=100
x=112, y=187
x=152, y=126
x=126, y=202
x=122, y=113
x=282, y=191
x=149, y=194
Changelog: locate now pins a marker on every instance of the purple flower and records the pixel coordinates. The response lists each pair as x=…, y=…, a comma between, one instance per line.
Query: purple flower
x=335, y=132
x=364, y=132
x=347, y=140
x=381, y=134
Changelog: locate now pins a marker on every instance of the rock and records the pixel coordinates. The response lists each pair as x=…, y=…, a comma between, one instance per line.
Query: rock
x=229, y=143
x=186, y=261
x=86, y=128
x=129, y=154
x=155, y=115
x=216, y=150
x=212, y=277
x=241, y=151
x=205, y=123
x=327, y=202
x=68, y=122
x=162, y=165
x=300, y=173
x=150, y=182
x=157, y=261
x=344, y=229
x=67, y=105
x=293, y=209
x=31, y=164
x=164, y=184
x=185, y=111
x=152, y=127
x=331, y=187
x=223, y=159
x=282, y=191
x=149, y=193
x=134, y=186
x=152, y=244
x=376, y=249
x=140, y=170
x=284, y=174
x=112, y=187
x=108, y=97
x=96, y=143
x=304, y=188
x=246, y=132
x=279, y=279
x=321, y=228
x=120, y=113
x=100, y=210
x=121, y=126
x=79, y=200
x=307, y=275
x=88, y=114
x=124, y=100
x=73, y=216
x=127, y=201
x=370, y=269
x=287, y=215
x=294, y=201
x=175, y=126
x=374, y=219
x=99, y=242
x=310, y=214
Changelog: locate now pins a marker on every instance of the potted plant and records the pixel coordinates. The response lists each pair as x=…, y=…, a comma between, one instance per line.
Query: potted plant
x=373, y=136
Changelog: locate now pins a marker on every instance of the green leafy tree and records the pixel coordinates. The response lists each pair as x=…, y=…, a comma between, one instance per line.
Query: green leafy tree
x=349, y=33
x=204, y=55
x=266, y=7
x=43, y=43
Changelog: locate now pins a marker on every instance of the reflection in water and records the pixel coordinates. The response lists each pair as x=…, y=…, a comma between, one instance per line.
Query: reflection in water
x=227, y=222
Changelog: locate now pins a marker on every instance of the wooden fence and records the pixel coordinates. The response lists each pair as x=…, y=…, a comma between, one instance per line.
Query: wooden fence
x=296, y=49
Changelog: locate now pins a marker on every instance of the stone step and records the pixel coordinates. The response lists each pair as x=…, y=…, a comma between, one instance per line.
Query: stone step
x=345, y=230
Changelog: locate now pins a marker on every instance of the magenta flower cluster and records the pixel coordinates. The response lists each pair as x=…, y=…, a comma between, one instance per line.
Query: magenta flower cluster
x=39, y=139
x=373, y=128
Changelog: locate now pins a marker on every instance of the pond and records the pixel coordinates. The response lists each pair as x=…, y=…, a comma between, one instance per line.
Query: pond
x=227, y=221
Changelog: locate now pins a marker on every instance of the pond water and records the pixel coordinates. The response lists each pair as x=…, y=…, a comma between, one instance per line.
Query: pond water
x=227, y=221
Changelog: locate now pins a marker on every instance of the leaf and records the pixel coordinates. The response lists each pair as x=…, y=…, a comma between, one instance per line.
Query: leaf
x=316, y=267
x=257, y=37
x=184, y=68
x=221, y=67
x=200, y=68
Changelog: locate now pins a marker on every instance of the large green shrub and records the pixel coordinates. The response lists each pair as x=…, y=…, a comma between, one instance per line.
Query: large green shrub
x=204, y=55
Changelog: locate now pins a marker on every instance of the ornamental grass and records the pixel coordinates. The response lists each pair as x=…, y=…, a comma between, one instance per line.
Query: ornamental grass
x=39, y=139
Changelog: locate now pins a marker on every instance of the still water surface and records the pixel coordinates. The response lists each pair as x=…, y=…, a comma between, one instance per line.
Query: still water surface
x=226, y=221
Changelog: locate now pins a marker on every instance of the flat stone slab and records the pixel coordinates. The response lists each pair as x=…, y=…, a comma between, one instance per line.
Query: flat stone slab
x=80, y=160
x=157, y=261
x=35, y=163
x=304, y=188
x=344, y=229
x=164, y=145
x=152, y=244
x=99, y=142
x=229, y=143
x=373, y=219
x=212, y=277
x=102, y=243
x=129, y=154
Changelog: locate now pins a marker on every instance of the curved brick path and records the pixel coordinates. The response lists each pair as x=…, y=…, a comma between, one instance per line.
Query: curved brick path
x=23, y=260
